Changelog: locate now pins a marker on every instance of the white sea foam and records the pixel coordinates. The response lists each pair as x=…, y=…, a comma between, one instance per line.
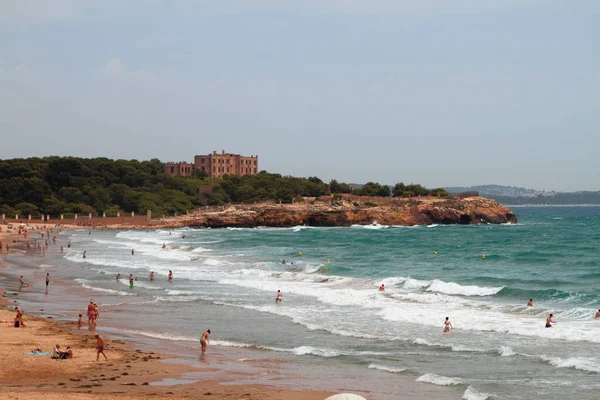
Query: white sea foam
x=200, y=250
x=309, y=350
x=432, y=225
x=373, y=226
x=387, y=369
x=85, y=284
x=581, y=363
x=472, y=394
x=439, y=380
x=506, y=351
x=456, y=289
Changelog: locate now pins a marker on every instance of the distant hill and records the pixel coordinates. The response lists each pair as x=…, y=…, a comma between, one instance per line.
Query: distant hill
x=517, y=195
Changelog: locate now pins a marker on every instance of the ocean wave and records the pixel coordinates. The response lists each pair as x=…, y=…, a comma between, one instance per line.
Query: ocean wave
x=454, y=288
x=410, y=283
x=472, y=394
x=85, y=284
x=439, y=380
x=373, y=226
x=432, y=225
x=386, y=369
x=580, y=363
x=452, y=347
x=506, y=351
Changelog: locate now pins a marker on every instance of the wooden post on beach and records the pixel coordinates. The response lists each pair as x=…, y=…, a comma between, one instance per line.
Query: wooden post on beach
x=90, y=216
x=16, y=216
x=48, y=218
x=75, y=216
x=133, y=213
x=118, y=215
x=29, y=217
x=103, y=215
x=148, y=215
x=62, y=216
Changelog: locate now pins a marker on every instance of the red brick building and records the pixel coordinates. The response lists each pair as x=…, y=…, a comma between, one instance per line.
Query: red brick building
x=216, y=165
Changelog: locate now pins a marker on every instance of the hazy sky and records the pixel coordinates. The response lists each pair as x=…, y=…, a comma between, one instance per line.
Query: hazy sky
x=437, y=92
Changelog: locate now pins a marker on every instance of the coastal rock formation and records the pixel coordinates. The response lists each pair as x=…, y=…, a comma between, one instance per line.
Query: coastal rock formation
x=346, y=212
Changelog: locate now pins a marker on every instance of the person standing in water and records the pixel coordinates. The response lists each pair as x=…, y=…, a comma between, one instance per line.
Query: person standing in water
x=132, y=252
x=118, y=277
x=131, y=281
x=530, y=303
x=47, y=281
x=91, y=314
x=164, y=245
x=170, y=275
x=84, y=253
x=204, y=339
x=549, y=320
x=279, y=297
x=597, y=314
x=447, y=325
x=382, y=288
x=69, y=244
x=151, y=275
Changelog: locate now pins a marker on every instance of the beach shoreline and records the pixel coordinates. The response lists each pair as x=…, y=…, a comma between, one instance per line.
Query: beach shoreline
x=129, y=373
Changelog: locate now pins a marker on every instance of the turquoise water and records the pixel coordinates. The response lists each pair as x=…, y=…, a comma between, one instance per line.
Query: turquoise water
x=499, y=348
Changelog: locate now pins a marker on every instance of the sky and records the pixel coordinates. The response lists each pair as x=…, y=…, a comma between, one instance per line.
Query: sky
x=436, y=92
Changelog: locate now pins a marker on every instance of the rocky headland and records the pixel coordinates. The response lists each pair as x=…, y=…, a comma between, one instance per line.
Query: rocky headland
x=346, y=212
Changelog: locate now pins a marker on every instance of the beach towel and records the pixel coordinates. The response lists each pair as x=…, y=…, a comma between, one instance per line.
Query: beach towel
x=38, y=353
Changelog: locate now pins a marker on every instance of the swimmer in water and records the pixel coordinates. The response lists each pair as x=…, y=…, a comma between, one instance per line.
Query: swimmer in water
x=170, y=275
x=548, y=320
x=447, y=325
x=279, y=297
x=283, y=262
x=382, y=288
x=164, y=245
x=530, y=303
x=118, y=276
x=151, y=275
x=597, y=314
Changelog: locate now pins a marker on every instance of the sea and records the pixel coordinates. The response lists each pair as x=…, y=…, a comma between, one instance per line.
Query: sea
x=334, y=329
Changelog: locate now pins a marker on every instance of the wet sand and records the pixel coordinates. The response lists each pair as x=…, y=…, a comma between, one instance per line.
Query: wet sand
x=128, y=374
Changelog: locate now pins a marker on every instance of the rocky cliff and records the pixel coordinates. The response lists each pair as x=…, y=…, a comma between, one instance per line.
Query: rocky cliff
x=473, y=210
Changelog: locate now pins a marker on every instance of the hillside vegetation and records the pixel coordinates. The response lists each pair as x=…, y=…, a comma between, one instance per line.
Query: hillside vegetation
x=68, y=185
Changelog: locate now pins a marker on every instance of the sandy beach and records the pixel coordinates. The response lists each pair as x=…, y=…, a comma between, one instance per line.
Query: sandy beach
x=128, y=374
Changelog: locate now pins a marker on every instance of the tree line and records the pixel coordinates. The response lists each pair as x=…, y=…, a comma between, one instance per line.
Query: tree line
x=68, y=185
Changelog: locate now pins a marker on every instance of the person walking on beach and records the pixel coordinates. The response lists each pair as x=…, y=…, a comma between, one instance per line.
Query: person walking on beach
x=549, y=320
x=99, y=347
x=530, y=303
x=447, y=325
x=47, y=281
x=170, y=275
x=79, y=322
x=382, y=288
x=90, y=314
x=204, y=339
x=279, y=297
